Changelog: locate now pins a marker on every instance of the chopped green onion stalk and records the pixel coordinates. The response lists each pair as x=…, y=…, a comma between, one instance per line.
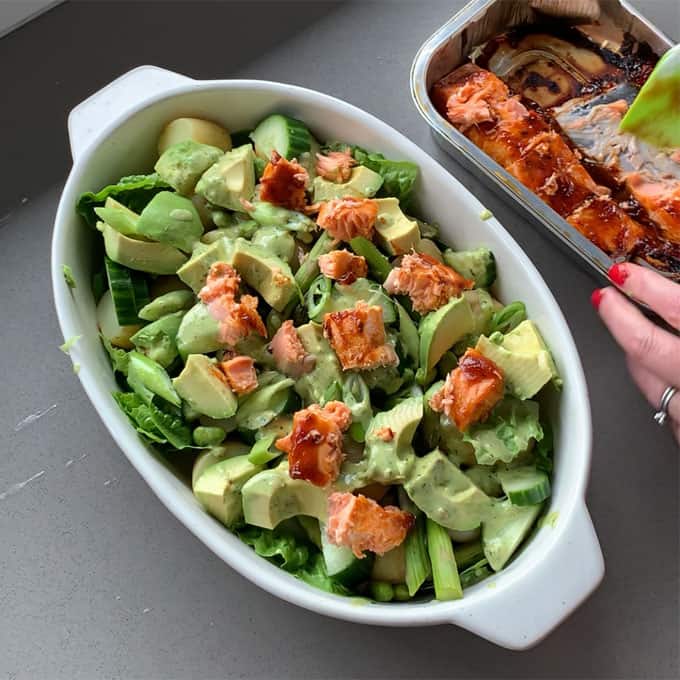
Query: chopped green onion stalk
x=444, y=570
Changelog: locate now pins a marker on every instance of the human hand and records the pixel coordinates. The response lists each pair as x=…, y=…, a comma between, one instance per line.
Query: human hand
x=652, y=353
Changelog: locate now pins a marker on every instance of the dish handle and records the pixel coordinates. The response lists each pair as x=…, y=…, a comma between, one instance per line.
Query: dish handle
x=538, y=599
x=88, y=118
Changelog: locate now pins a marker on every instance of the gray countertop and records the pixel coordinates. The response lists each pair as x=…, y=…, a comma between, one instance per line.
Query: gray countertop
x=98, y=579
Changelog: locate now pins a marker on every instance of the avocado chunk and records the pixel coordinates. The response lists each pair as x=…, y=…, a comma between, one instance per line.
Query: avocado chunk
x=277, y=241
x=107, y=320
x=363, y=183
x=172, y=219
x=388, y=454
x=507, y=432
x=312, y=386
x=271, y=496
x=195, y=271
x=198, y=332
x=182, y=164
x=216, y=454
x=396, y=233
x=442, y=329
x=202, y=386
x=445, y=493
x=218, y=489
x=390, y=567
x=524, y=359
x=157, y=339
x=230, y=179
x=196, y=129
x=145, y=256
x=505, y=528
x=269, y=275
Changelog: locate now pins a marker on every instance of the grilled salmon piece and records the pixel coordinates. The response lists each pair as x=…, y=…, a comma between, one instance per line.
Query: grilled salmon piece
x=661, y=199
x=343, y=266
x=549, y=168
x=602, y=221
x=314, y=446
x=361, y=524
x=358, y=338
x=471, y=390
x=335, y=166
x=283, y=183
x=289, y=353
x=236, y=320
x=240, y=374
x=346, y=218
x=429, y=283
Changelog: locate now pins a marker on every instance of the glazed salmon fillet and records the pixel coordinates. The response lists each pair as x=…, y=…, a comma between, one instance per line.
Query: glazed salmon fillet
x=347, y=218
x=283, y=183
x=314, y=446
x=240, y=373
x=335, y=166
x=358, y=337
x=471, y=390
x=343, y=266
x=236, y=320
x=520, y=140
x=429, y=283
x=289, y=353
x=361, y=524
x=602, y=221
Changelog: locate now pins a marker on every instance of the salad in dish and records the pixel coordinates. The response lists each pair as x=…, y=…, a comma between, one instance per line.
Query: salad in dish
x=343, y=389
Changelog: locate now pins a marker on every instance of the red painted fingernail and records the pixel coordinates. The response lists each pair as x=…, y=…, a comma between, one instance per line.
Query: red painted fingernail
x=618, y=274
x=596, y=297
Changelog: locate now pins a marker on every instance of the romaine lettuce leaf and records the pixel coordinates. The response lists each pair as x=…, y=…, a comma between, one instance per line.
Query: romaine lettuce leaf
x=169, y=421
x=544, y=450
x=134, y=191
x=139, y=414
x=399, y=177
x=119, y=357
x=302, y=560
x=506, y=433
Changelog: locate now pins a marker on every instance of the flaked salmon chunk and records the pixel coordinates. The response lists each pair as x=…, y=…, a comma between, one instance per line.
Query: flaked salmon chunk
x=289, y=353
x=429, y=283
x=237, y=319
x=358, y=337
x=283, y=183
x=346, y=218
x=240, y=373
x=343, y=266
x=471, y=390
x=314, y=446
x=361, y=524
x=335, y=166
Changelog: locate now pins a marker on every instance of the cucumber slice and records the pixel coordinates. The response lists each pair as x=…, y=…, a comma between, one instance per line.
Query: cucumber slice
x=289, y=137
x=128, y=290
x=505, y=529
x=342, y=564
x=478, y=265
x=146, y=377
x=525, y=485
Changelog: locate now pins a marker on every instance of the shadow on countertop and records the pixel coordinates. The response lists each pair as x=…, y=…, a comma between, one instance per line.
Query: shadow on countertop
x=54, y=62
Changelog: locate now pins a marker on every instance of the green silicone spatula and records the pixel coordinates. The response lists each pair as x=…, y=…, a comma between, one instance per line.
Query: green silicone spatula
x=654, y=115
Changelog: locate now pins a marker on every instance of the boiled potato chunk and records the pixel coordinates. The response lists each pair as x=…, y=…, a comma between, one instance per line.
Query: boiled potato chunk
x=202, y=131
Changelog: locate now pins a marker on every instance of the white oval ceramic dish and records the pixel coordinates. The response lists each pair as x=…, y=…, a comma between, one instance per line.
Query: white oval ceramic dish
x=114, y=133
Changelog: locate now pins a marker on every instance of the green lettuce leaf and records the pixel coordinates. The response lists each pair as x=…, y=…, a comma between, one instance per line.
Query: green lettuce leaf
x=399, y=177
x=506, y=433
x=544, y=450
x=139, y=414
x=297, y=557
x=169, y=421
x=279, y=548
x=134, y=191
x=119, y=357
